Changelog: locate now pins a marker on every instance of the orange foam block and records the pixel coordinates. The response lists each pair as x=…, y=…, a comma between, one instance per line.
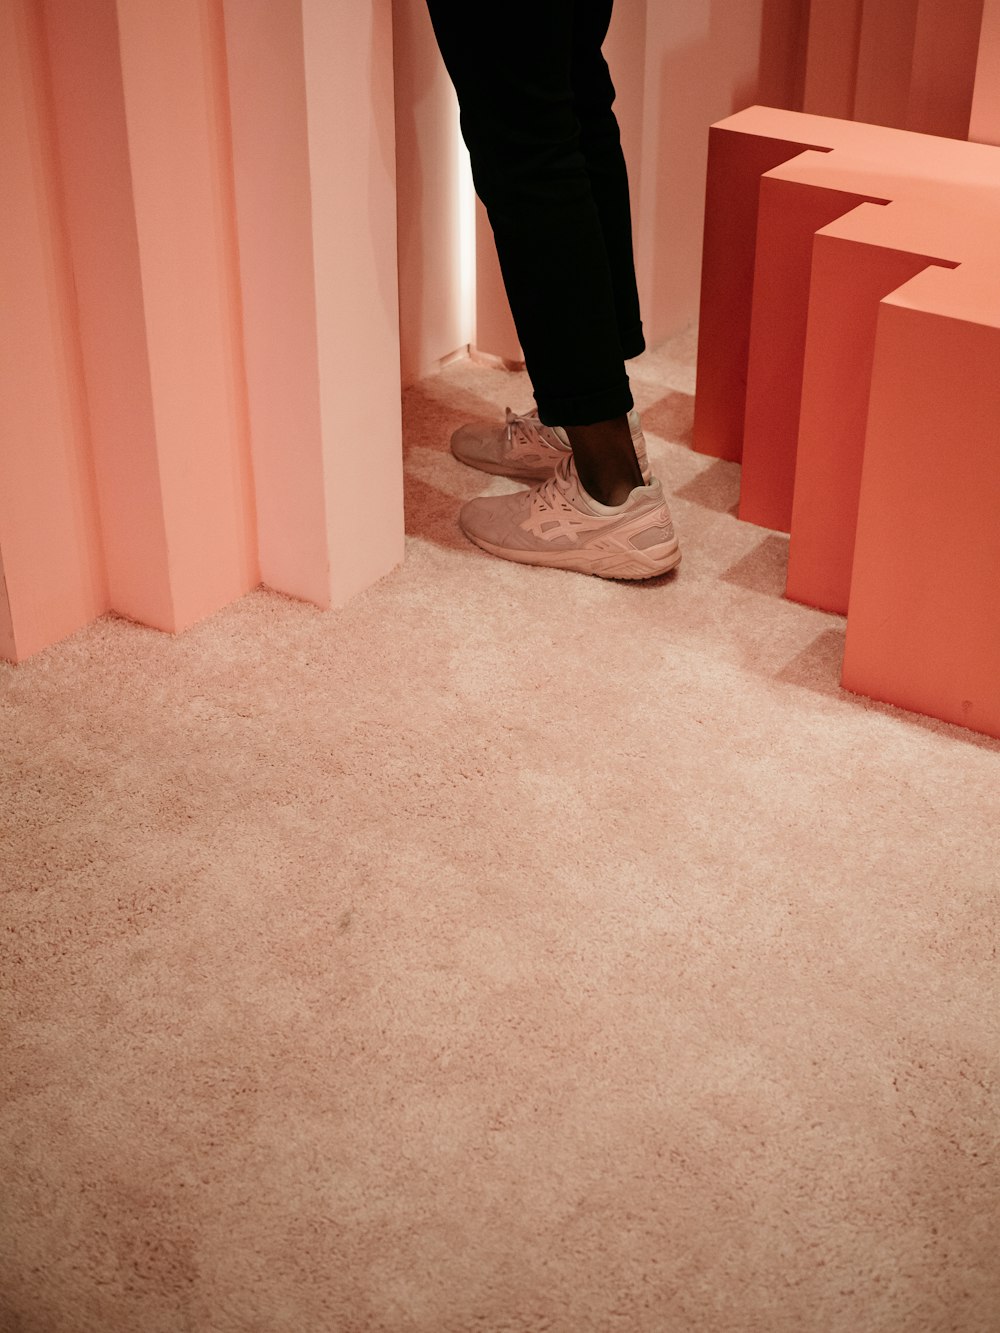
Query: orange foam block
x=923, y=624
x=876, y=216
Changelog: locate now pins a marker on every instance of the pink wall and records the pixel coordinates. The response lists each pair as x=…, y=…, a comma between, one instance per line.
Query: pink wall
x=984, y=126
x=442, y=311
x=8, y=645
x=942, y=83
x=436, y=322
x=909, y=64
x=831, y=57
x=677, y=66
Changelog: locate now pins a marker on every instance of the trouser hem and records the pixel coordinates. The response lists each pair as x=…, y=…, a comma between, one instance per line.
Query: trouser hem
x=585, y=409
x=633, y=343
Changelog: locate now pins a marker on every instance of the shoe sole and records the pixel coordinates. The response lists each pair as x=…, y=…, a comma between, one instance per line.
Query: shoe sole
x=663, y=558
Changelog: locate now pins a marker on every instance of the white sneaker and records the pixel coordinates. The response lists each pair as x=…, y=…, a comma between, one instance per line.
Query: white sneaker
x=559, y=525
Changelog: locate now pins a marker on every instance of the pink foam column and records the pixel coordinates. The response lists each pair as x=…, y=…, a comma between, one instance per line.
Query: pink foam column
x=831, y=73
x=144, y=147
x=173, y=72
x=8, y=639
x=495, y=333
x=849, y=278
x=314, y=161
x=904, y=63
x=885, y=62
x=790, y=213
x=943, y=73
x=435, y=300
x=922, y=628
x=52, y=575
x=95, y=167
x=737, y=159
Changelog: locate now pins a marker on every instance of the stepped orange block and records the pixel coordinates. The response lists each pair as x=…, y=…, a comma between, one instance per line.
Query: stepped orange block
x=863, y=219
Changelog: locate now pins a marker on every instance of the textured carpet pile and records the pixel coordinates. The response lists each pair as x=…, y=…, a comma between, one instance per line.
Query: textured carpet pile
x=512, y=951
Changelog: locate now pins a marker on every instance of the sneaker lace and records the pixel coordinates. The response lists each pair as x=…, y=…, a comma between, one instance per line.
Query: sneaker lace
x=552, y=493
x=525, y=424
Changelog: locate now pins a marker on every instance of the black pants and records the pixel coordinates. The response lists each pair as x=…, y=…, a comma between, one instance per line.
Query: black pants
x=535, y=96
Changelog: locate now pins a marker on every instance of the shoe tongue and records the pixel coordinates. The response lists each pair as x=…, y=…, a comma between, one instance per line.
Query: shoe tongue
x=558, y=430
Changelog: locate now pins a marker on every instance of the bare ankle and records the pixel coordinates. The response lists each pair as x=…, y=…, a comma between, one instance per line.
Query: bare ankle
x=605, y=460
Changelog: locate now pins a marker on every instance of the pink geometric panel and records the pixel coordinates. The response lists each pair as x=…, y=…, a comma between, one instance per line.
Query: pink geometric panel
x=199, y=361
x=880, y=221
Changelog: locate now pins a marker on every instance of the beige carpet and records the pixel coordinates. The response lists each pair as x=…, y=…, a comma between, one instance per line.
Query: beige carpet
x=512, y=952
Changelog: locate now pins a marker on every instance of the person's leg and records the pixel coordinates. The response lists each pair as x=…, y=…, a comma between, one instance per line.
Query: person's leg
x=513, y=71
x=601, y=451
x=600, y=141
